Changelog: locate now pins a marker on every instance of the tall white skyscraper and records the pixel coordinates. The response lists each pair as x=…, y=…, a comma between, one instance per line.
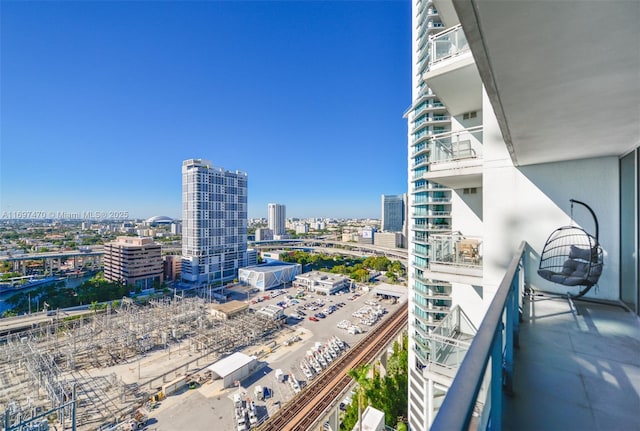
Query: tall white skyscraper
x=277, y=219
x=214, y=223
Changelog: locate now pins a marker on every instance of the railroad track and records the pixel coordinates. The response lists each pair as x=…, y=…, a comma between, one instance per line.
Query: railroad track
x=302, y=411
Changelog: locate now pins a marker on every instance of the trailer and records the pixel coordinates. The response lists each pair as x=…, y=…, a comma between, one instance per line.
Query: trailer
x=258, y=392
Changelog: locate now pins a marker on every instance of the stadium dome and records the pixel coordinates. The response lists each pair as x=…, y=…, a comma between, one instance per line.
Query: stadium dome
x=159, y=219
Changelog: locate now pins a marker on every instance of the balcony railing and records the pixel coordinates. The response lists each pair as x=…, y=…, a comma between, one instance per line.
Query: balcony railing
x=448, y=44
x=458, y=145
x=489, y=358
x=436, y=227
x=456, y=250
x=449, y=341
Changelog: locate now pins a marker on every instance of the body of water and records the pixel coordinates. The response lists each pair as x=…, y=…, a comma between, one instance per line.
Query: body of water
x=70, y=282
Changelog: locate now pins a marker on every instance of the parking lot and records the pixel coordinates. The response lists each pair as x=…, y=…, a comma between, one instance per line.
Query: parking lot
x=211, y=406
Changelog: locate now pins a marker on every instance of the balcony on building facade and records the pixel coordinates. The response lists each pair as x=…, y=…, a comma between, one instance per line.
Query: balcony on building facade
x=428, y=105
x=422, y=4
x=456, y=158
x=427, y=29
x=429, y=187
x=426, y=120
x=447, y=345
x=576, y=361
x=431, y=227
x=431, y=289
x=451, y=71
x=456, y=258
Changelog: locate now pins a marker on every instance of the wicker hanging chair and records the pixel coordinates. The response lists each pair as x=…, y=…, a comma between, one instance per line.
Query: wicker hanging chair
x=572, y=256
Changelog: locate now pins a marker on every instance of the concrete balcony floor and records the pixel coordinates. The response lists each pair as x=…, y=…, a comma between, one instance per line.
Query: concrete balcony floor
x=575, y=372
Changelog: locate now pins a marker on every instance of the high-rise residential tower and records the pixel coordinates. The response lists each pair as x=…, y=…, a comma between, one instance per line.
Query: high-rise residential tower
x=499, y=143
x=429, y=208
x=393, y=210
x=277, y=218
x=214, y=223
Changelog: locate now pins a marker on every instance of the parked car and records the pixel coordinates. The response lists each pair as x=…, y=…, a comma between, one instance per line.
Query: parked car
x=314, y=318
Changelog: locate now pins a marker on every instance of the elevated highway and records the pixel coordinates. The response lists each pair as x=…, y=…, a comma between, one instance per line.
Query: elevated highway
x=333, y=246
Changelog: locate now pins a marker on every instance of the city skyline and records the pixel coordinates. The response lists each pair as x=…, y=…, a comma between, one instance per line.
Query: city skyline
x=103, y=101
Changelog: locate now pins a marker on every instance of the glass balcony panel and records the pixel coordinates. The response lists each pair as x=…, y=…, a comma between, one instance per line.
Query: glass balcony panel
x=451, y=146
x=448, y=44
x=456, y=250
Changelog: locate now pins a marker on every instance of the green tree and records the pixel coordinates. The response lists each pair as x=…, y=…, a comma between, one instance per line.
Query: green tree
x=388, y=393
x=361, y=275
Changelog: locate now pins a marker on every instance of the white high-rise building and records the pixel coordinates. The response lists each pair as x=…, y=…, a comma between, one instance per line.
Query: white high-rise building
x=499, y=141
x=214, y=223
x=277, y=219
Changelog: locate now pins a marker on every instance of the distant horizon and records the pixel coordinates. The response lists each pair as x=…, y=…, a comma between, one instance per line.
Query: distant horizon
x=79, y=217
x=103, y=101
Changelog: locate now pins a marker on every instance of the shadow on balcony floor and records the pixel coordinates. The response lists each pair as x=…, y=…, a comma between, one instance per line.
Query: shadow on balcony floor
x=575, y=372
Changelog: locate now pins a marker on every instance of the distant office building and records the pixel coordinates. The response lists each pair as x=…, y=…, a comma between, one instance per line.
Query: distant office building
x=393, y=213
x=135, y=261
x=389, y=239
x=214, y=223
x=365, y=235
x=176, y=228
x=318, y=225
x=172, y=267
x=264, y=234
x=302, y=228
x=277, y=219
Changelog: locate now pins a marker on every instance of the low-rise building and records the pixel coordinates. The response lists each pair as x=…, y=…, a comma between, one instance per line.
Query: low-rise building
x=264, y=234
x=272, y=311
x=372, y=420
x=270, y=275
x=388, y=239
x=321, y=282
x=234, y=368
x=172, y=265
x=228, y=309
x=135, y=261
x=274, y=255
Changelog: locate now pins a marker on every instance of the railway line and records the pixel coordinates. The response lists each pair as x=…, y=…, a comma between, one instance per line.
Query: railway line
x=302, y=411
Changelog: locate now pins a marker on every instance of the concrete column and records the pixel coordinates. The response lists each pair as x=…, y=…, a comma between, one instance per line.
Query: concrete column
x=429, y=403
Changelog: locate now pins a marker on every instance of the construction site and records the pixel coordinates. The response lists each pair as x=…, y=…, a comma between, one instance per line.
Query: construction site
x=107, y=367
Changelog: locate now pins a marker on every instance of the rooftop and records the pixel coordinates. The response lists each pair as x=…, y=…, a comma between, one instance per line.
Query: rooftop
x=231, y=363
x=270, y=267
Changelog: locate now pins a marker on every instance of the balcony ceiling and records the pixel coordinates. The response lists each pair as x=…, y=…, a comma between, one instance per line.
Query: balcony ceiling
x=457, y=83
x=563, y=77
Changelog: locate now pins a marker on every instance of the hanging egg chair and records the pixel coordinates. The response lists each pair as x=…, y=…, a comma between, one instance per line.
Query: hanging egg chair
x=572, y=256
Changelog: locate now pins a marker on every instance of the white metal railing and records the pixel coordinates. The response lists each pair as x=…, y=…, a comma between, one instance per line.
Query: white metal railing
x=456, y=145
x=489, y=359
x=448, y=44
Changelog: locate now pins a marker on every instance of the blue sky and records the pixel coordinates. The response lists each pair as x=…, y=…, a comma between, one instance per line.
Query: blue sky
x=100, y=102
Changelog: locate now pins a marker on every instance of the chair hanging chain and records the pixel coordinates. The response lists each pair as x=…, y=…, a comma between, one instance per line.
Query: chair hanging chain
x=571, y=222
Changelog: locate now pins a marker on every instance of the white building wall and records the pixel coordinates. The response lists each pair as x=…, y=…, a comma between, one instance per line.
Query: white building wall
x=529, y=203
